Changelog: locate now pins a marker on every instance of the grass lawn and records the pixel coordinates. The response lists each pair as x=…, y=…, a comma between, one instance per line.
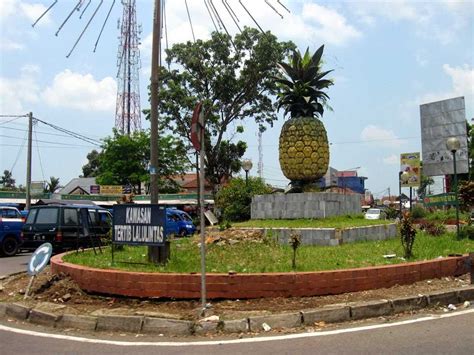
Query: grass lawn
x=329, y=222
x=267, y=256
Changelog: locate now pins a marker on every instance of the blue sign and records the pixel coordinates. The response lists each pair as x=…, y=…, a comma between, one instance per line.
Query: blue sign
x=139, y=224
x=39, y=259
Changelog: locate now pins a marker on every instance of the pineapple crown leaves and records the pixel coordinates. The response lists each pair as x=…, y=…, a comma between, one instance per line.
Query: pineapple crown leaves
x=301, y=84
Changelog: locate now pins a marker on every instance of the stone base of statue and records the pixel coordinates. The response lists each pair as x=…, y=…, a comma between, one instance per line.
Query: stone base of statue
x=304, y=205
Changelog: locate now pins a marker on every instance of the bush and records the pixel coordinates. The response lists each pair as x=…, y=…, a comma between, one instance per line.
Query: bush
x=391, y=212
x=433, y=228
x=467, y=231
x=418, y=212
x=234, y=200
x=407, y=234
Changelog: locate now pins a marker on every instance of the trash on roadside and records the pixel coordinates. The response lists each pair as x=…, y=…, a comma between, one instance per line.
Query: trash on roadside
x=451, y=307
x=210, y=319
x=466, y=304
x=389, y=256
x=266, y=327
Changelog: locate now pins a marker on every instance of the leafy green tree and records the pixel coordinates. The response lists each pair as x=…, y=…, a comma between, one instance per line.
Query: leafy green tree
x=7, y=180
x=232, y=78
x=425, y=182
x=234, y=199
x=52, y=185
x=124, y=160
x=92, y=167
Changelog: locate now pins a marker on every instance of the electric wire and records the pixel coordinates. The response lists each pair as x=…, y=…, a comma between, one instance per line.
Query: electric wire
x=39, y=156
x=73, y=134
x=9, y=121
x=165, y=23
x=189, y=18
x=103, y=25
x=44, y=13
x=85, y=28
x=210, y=15
x=19, y=152
x=41, y=141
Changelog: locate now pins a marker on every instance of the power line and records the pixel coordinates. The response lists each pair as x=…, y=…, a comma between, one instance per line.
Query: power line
x=19, y=152
x=57, y=143
x=39, y=156
x=72, y=134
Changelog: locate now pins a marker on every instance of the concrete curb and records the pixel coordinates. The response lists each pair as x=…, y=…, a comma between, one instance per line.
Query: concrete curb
x=329, y=314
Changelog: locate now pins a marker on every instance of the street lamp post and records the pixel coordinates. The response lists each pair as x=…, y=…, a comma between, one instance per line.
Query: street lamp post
x=400, y=191
x=247, y=165
x=453, y=144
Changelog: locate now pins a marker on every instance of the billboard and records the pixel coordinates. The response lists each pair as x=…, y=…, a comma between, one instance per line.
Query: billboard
x=410, y=164
x=110, y=189
x=37, y=188
x=439, y=121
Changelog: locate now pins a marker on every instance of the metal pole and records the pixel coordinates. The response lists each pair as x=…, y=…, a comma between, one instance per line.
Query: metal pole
x=246, y=178
x=456, y=193
x=400, y=191
x=28, y=162
x=202, y=177
x=154, y=252
x=411, y=189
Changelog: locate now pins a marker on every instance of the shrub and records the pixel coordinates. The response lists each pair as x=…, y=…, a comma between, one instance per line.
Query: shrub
x=407, y=234
x=467, y=231
x=418, y=212
x=224, y=225
x=234, y=200
x=433, y=228
x=391, y=212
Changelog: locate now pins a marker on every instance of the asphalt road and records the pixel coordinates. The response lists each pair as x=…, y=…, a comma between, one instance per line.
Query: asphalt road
x=445, y=334
x=17, y=263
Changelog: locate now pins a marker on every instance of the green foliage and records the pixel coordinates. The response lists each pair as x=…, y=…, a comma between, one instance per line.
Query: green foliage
x=466, y=231
x=232, y=78
x=7, y=180
x=418, y=212
x=407, y=234
x=125, y=158
x=224, y=225
x=391, y=213
x=52, y=185
x=301, y=85
x=234, y=200
x=433, y=228
x=425, y=182
x=328, y=222
x=247, y=257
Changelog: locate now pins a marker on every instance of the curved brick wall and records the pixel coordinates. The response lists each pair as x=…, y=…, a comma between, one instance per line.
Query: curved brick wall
x=231, y=286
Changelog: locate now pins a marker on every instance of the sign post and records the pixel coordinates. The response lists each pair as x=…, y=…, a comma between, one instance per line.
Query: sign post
x=38, y=261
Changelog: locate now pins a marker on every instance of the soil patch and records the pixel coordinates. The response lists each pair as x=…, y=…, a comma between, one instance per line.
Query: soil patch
x=60, y=290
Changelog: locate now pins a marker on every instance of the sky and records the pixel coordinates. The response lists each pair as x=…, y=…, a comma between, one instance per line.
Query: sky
x=388, y=58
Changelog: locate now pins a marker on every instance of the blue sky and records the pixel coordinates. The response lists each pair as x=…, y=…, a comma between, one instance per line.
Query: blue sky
x=388, y=58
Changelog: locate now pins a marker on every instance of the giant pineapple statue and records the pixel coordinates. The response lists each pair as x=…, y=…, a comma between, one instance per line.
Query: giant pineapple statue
x=303, y=146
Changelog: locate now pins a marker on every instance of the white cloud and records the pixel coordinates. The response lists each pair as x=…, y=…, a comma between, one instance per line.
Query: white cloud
x=82, y=92
x=9, y=45
x=462, y=79
x=380, y=136
x=34, y=11
x=17, y=94
x=7, y=8
x=391, y=160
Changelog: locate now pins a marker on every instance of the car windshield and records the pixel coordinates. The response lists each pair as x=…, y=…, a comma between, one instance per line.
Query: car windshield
x=373, y=211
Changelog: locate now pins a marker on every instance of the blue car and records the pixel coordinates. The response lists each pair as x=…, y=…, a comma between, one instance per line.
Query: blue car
x=178, y=223
x=11, y=223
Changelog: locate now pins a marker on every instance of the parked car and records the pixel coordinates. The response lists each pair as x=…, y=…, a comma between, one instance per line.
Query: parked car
x=65, y=226
x=178, y=223
x=11, y=223
x=374, y=213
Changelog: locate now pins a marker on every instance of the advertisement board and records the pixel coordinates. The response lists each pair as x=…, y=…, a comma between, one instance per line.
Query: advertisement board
x=410, y=164
x=110, y=189
x=37, y=188
x=139, y=224
x=439, y=121
x=447, y=199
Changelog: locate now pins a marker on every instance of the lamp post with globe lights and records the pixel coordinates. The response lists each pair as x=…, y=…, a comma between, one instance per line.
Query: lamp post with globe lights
x=453, y=144
x=247, y=165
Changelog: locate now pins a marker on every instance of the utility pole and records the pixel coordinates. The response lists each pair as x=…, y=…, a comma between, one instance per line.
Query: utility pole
x=28, y=162
x=155, y=253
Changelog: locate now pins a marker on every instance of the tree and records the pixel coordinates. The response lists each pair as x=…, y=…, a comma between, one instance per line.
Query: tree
x=234, y=199
x=232, y=78
x=124, y=160
x=92, y=167
x=52, y=185
x=7, y=180
x=425, y=182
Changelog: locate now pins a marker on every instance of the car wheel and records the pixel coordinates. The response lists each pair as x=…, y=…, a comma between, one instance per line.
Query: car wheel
x=182, y=233
x=9, y=246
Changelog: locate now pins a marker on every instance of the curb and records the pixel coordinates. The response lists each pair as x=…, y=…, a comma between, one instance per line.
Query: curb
x=328, y=314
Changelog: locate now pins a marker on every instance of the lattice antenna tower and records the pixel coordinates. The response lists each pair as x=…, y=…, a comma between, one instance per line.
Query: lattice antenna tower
x=128, y=112
x=260, y=156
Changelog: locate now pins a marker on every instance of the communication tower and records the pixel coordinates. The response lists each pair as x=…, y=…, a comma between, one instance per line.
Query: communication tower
x=127, y=112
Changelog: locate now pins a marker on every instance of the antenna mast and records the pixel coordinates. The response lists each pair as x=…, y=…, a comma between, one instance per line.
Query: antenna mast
x=127, y=112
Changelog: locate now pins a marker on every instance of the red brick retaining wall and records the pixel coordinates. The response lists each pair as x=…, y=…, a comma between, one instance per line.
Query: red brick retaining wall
x=232, y=286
